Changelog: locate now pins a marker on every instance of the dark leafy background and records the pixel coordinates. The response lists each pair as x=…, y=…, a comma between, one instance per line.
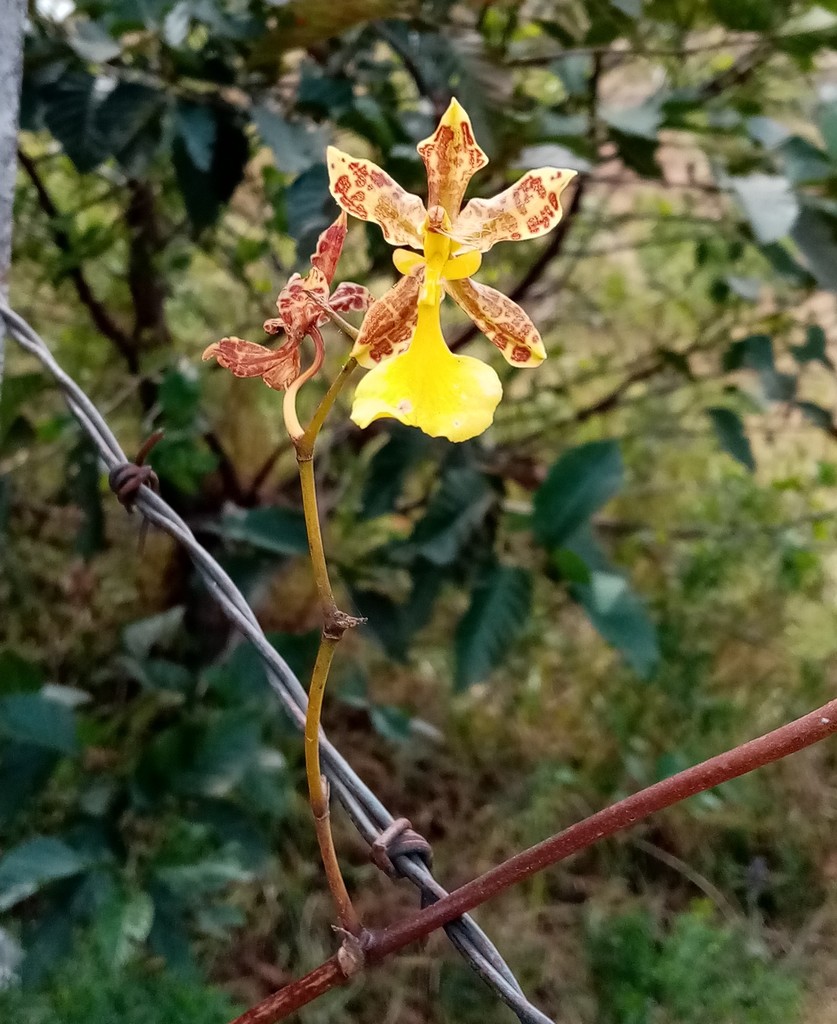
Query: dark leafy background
x=630, y=571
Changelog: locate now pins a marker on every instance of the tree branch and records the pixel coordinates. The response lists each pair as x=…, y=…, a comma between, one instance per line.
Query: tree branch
x=100, y=316
x=773, y=746
x=148, y=288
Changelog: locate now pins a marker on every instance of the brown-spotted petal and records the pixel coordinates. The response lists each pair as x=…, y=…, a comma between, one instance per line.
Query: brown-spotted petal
x=286, y=369
x=388, y=326
x=451, y=156
x=349, y=297
x=277, y=367
x=367, y=192
x=299, y=303
x=501, y=320
x=530, y=207
x=329, y=247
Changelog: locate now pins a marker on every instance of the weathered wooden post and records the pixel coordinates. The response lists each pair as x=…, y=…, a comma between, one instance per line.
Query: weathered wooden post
x=12, y=13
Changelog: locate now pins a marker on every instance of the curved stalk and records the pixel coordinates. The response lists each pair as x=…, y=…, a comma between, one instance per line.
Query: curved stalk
x=335, y=624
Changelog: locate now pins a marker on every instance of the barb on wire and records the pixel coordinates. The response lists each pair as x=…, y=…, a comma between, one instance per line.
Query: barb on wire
x=409, y=854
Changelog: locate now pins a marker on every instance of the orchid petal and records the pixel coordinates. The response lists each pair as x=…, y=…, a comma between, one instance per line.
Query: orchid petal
x=367, y=192
x=388, y=326
x=406, y=261
x=329, y=247
x=277, y=367
x=464, y=265
x=429, y=387
x=300, y=303
x=451, y=156
x=530, y=207
x=349, y=297
x=502, y=321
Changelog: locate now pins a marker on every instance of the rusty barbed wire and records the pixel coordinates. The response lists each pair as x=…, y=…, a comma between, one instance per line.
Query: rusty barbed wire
x=371, y=818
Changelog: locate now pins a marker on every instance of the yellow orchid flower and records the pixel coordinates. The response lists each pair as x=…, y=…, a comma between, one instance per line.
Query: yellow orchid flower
x=414, y=377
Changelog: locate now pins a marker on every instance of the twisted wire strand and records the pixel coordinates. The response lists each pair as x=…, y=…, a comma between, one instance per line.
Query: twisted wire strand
x=366, y=811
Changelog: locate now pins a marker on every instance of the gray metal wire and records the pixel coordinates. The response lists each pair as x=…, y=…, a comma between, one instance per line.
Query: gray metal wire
x=363, y=807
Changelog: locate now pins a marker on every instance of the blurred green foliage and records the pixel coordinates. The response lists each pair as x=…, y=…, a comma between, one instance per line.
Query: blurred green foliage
x=90, y=992
x=630, y=572
x=696, y=971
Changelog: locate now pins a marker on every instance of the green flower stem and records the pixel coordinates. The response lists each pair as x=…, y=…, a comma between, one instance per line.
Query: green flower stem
x=318, y=791
x=309, y=438
x=335, y=623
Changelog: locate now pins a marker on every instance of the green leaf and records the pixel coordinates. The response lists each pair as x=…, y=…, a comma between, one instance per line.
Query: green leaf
x=638, y=153
x=552, y=154
x=577, y=485
x=24, y=770
x=310, y=208
x=140, y=637
x=388, y=468
x=160, y=674
x=731, y=436
x=226, y=751
x=828, y=127
x=198, y=129
x=123, y=925
x=803, y=162
x=571, y=566
x=778, y=387
x=82, y=485
x=278, y=531
x=454, y=513
x=392, y=723
x=25, y=869
x=206, y=191
x=130, y=120
x=71, y=114
x=817, y=415
x=17, y=673
x=203, y=877
x=39, y=720
x=183, y=459
x=631, y=8
x=298, y=649
x=324, y=94
x=814, y=349
x=179, y=396
x=14, y=397
x=177, y=23
x=620, y=616
x=746, y=15
x=575, y=71
x=815, y=232
x=386, y=621
x=90, y=41
x=786, y=266
x=295, y=146
x=500, y=605
x=754, y=352
x=768, y=203
x=766, y=131
x=642, y=121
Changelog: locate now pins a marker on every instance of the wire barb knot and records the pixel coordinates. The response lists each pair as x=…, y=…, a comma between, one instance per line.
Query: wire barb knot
x=398, y=840
x=126, y=479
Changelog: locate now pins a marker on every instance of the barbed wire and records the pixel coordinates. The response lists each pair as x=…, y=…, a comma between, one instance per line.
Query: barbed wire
x=370, y=816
